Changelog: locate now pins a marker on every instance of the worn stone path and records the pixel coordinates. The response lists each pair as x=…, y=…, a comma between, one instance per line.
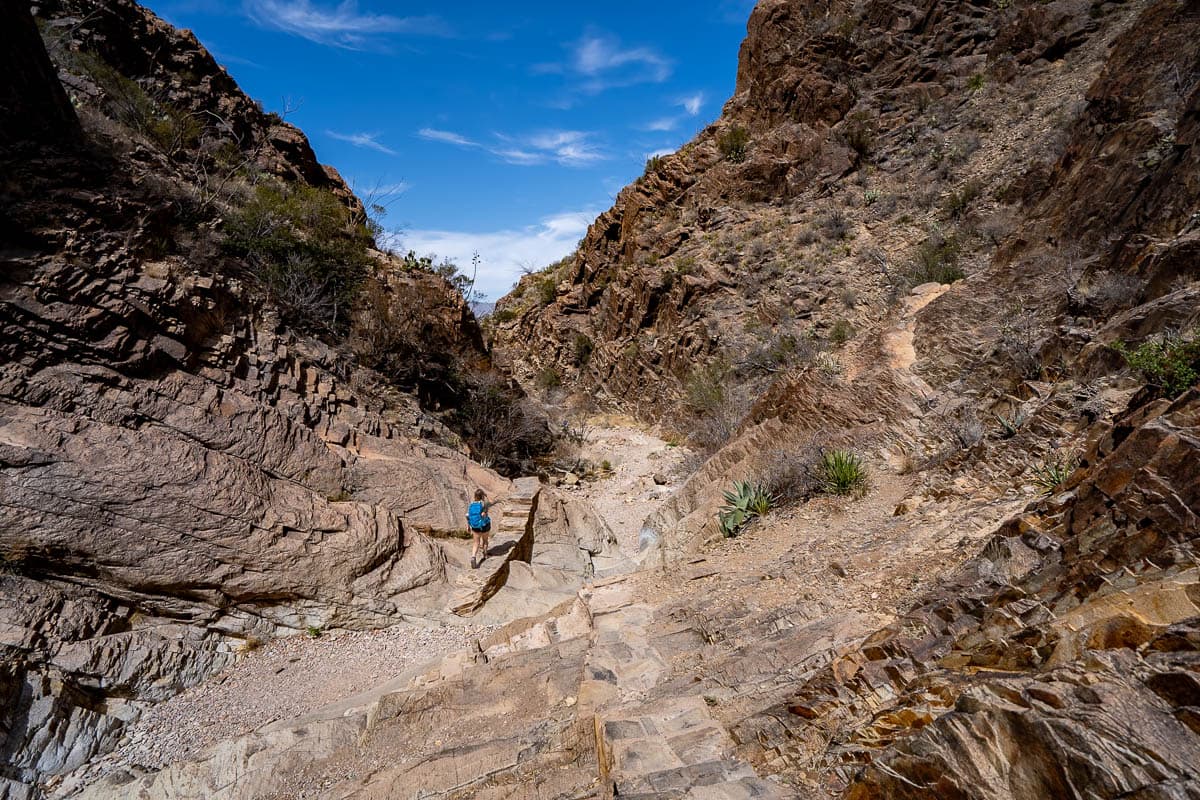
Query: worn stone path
x=666, y=747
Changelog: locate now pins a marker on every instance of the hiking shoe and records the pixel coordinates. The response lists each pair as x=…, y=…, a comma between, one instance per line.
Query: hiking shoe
x=474, y=563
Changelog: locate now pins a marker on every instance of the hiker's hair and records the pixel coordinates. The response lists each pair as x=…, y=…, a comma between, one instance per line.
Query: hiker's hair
x=479, y=495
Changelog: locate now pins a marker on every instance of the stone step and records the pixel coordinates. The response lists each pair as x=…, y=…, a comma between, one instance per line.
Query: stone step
x=670, y=747
x=511, y=540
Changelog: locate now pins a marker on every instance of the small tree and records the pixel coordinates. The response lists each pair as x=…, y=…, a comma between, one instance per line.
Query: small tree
x=733, y=143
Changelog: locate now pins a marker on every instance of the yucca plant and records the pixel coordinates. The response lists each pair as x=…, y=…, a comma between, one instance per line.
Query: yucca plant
x=842, y=472
x=743, y=503
x=1053, y=472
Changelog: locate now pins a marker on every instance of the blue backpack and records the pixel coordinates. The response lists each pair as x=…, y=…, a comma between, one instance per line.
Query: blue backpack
x=477, y=516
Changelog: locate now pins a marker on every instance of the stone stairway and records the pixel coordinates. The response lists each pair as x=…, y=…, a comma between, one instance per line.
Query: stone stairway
x=511, y=540
x=667, y=746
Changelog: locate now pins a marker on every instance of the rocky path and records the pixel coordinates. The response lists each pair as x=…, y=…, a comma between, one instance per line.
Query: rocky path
x=289, y=678
x=644, y=471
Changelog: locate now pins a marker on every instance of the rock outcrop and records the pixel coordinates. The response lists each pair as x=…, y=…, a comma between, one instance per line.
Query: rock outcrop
x=918, y=231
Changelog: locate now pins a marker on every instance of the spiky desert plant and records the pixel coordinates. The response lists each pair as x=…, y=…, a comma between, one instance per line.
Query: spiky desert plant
x=743, y=503
x=842, y=472
x=1054, y=471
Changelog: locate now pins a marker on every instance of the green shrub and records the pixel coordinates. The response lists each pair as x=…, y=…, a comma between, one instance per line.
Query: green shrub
x=653, y=164
x=582, y=348
x=733, y=143
x=549, y=378
x=1053, y=472
x=502, y=315
x=936, y=261
x=306, y=249
x=704, y=389
x=841, y=332
x=841, y=472
x=547, y=289
x=171, y=129
x=314, y=631
x=744, y=503
x=685, y=265
x=975, y=82
x=1170, y=362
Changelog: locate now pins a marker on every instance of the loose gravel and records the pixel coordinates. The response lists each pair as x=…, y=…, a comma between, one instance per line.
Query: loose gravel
x=282, y=680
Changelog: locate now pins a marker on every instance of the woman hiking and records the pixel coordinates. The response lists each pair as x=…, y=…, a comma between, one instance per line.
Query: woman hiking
x=481, y=525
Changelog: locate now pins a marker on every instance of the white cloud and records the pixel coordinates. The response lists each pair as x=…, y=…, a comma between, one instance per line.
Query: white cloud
x=598, y=54
x=449, y=137
x=341, y=25
x=504, y=253
x=567, y=148
x=692, y=103
x=602, y=62
x=662, y=124
x=370, y=141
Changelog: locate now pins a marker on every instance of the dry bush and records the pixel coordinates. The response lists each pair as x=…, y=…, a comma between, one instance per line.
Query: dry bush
x=717, y=402
x=789, y=473
x=505, y=430
x=1105, y=293
x=1021, y=341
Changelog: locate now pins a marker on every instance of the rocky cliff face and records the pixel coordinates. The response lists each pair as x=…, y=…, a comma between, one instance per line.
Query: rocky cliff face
x=191, y=461
x=43, y=112
x=868, y=149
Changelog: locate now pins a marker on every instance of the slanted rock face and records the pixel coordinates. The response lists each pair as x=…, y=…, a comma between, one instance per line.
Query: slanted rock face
x=1061, y=657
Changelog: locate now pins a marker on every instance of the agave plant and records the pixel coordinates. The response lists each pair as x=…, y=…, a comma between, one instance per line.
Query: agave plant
x=1053, y=472
x=743, y=503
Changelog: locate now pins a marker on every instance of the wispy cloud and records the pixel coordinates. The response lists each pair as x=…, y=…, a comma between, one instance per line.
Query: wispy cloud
x=341, y=25
x=600, y=61
x=568, y=148
x=449, y=137
x=505, y=254
x=662, y=124
x=692, y=103
x=596, y=55
x=370, y=141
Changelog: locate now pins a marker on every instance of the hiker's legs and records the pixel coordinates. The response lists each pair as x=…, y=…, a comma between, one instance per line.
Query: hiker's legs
x=486, y=536
x=476, y=540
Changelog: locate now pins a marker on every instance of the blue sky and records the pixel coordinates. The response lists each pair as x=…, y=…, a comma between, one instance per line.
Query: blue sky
x=498, y=127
